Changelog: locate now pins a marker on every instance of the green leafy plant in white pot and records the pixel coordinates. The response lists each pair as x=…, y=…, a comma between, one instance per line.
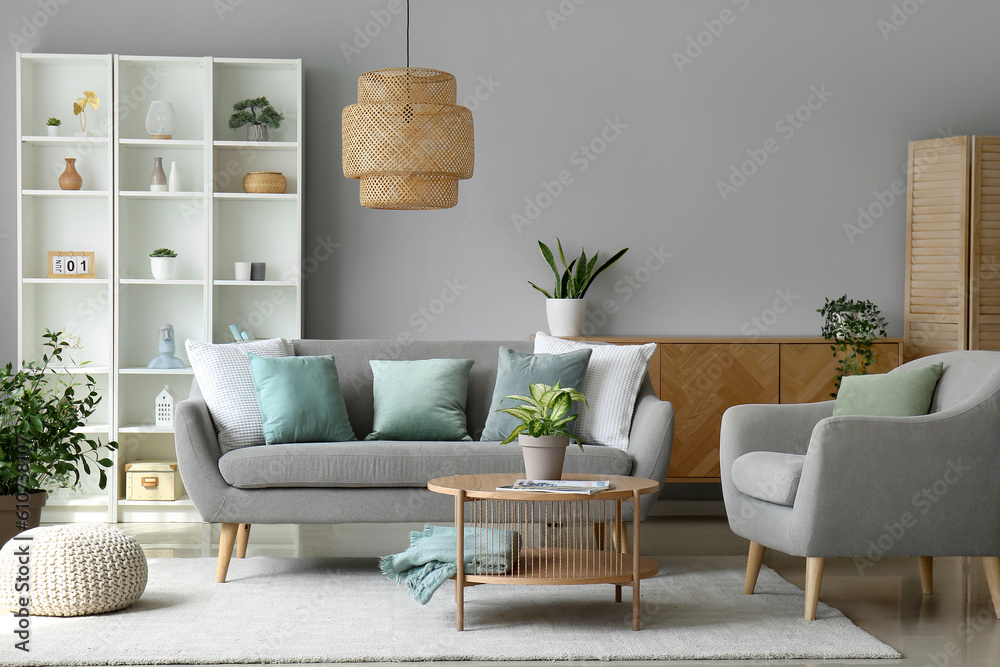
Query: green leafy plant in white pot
x=566, y=307
x=163, y=263
x=52, y=126
x=542, y=432
x=852, y=327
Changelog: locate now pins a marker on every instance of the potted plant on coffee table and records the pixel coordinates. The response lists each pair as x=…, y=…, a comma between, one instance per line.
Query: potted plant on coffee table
x=566, y=307
x=41, y=446
x=542, y=434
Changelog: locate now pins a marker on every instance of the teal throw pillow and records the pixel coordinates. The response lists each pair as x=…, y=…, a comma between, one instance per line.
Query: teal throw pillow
x=905, y=392
x=516, y=370
x=300, y=399
x=420, y=400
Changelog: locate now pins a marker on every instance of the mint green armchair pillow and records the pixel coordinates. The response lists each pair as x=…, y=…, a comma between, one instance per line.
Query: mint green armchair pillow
x=420, y=400
x=905, y=392
x=300, y=399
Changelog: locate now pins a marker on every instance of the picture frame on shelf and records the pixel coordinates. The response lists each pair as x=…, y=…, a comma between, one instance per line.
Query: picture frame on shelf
x=71, y=264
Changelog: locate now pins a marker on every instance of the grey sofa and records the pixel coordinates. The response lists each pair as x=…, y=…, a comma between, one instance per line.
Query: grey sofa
x=816, y=485
x=375, y=481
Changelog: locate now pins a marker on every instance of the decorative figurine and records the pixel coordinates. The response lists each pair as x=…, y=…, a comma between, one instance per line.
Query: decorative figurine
x=167, y=349
x=165, y=408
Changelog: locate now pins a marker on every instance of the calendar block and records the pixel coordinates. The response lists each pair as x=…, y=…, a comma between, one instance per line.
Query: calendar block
x=71, y=264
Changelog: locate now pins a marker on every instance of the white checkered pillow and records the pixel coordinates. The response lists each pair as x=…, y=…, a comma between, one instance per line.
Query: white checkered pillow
x=614, y=375
x=223, y=375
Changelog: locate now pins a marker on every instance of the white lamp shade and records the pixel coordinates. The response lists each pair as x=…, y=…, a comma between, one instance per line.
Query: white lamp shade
x=161, y=121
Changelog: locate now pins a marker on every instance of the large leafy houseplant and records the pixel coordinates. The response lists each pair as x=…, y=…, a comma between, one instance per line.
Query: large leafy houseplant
x=576, y=276
x=545, y=412
x=41, y=411
x=852, y=326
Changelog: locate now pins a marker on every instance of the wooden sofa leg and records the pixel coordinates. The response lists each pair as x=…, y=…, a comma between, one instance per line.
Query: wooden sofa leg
x=226, y=541
x=754, y=559
x=814, y=579
x=992, y=566
x=926, y=574
x=242, y=538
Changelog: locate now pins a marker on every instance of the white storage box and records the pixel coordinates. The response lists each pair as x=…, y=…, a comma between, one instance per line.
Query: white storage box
x=152, y=480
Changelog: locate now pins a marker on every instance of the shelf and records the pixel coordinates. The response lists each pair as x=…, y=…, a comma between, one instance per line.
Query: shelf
x=259, y=145
x=183, y=501
x=93, y=428
x=64, y=193
x=88, y=500
x=256, y=195
x=65, y=281
x=161, y=143
x=145, y=428
x=78, y=370
x=62, y=141
x=256, y=283
x=152, y=281
x=145, y=194
x=155, y=371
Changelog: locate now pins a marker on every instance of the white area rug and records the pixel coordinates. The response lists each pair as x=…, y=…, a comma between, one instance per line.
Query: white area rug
x=287, y=610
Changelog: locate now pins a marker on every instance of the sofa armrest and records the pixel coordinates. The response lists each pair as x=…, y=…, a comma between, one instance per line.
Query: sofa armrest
x=651, y=441
x=198, y=457
x=768, y=427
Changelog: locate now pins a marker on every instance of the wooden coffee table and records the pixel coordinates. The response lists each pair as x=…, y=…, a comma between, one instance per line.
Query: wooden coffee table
x=564, y=538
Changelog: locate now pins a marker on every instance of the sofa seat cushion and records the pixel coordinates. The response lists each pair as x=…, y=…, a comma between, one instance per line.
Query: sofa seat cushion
x=769, y=476
x=381, y=463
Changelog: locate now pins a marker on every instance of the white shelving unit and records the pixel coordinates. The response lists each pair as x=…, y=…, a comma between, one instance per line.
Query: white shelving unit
x=212, y=223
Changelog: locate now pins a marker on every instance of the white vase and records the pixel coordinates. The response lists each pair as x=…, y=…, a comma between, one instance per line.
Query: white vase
x=543, y=456
x=163, y=268
x=566, y=316
x=174, y=179
x=53, y=130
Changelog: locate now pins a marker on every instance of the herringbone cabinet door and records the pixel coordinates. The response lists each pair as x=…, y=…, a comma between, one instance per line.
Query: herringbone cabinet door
x=702, y=380
x=808, y=370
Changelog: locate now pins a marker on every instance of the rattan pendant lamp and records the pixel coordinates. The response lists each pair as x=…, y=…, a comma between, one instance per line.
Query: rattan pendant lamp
x=406, y=139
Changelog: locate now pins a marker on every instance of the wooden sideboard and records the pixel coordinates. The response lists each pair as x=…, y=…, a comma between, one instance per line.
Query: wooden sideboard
x=703, y=377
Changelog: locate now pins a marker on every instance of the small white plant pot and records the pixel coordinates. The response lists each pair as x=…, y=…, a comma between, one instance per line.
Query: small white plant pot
x=53, y=130
x=544, y=456
x=566, y=316
x=163, y=268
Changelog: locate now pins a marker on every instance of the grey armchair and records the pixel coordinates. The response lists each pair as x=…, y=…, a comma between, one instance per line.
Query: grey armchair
x=799, y=480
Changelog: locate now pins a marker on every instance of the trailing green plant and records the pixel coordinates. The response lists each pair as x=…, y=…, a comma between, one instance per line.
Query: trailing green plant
x=545, y=411
x=163, y=252
x=853, y=326
x=41, y=411
x=53, y=122
x=577, y=276
x=246, y=112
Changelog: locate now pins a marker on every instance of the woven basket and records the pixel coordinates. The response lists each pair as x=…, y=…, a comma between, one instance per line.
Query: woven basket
x=271, y=182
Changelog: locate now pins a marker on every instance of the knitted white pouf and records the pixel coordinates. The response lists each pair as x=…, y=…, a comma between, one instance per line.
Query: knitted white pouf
x=74, y=570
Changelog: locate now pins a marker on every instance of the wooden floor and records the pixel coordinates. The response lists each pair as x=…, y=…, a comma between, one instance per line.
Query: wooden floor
x=953, y=627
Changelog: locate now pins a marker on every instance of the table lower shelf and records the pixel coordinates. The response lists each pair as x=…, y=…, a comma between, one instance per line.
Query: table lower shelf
x=555, y=567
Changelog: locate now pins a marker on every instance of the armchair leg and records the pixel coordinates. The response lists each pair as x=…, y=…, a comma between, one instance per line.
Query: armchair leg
x=926, y=574
x=992, y=566
x=226, y=541
x=754, y=559
x=814, y=579
x=242, y=538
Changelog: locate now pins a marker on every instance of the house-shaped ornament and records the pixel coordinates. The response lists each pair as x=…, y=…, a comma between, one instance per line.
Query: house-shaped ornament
x=165, y=408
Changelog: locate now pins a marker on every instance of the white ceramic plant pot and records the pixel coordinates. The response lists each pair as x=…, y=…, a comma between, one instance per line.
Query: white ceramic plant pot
x=566, y=316
x=544, y=456
x=163, y=268
x=53, y=130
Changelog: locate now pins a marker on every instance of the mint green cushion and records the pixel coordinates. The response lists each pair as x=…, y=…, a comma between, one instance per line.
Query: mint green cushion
x=420, y=400
x=516, y=370
x=300, y=399
x=904, y=392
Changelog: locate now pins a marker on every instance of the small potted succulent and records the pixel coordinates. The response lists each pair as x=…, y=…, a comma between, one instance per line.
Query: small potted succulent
x=89, y=99
x=542, y=434
x=852, y=327
x=41, y=445
x=566, y=308
x=258, y=115
x=52, y=125
x=163, y=263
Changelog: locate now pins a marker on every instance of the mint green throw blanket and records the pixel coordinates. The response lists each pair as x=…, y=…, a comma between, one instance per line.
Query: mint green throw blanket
x=430, y=559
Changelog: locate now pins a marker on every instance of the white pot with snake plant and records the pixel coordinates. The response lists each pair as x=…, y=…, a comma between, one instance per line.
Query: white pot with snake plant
x=542, y=432
x=566, y=308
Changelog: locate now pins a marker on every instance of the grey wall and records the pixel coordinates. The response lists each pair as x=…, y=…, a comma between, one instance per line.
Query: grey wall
x=556, y=85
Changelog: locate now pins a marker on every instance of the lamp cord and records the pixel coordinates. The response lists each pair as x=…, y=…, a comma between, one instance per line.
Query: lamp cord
x=407, y=34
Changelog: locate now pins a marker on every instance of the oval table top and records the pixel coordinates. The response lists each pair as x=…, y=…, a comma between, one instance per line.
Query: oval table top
x=485, y=486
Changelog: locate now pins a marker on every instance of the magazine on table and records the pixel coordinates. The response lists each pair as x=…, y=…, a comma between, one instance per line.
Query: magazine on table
x=588, y=487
